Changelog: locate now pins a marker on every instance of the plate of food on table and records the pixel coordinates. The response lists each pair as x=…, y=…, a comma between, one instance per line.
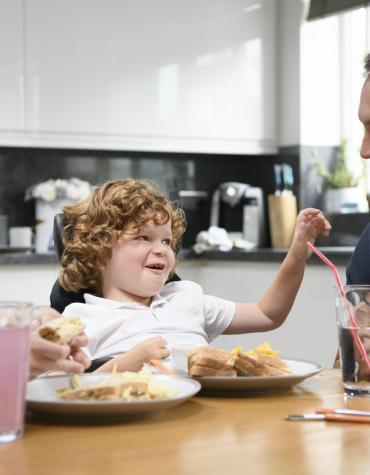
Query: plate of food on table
x=112, y=395
x=108, y=395
x=259, y=369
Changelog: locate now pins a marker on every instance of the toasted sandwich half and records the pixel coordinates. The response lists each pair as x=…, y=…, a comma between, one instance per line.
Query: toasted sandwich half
x=211, y=362
x=261, y=365
x=60, y=330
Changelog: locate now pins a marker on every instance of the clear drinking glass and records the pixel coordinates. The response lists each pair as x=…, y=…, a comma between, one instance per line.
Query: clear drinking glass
x=353, y=320
x=15, y=321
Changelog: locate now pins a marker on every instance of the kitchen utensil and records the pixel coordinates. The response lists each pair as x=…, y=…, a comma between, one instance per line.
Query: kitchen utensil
x=288, y=180
x=328, y=417
x=277, y=174
x=354, y=412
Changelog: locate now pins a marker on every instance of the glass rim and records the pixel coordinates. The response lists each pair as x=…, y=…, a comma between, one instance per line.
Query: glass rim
x=15, y=303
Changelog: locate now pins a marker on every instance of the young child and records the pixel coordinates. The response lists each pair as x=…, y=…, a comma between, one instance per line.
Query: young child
x=122, y=242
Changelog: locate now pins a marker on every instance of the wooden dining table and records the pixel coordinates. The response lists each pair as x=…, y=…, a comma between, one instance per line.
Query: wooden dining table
x=207, y=434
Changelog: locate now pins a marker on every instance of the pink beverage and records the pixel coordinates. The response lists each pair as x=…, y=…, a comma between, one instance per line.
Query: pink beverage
x=14, y=357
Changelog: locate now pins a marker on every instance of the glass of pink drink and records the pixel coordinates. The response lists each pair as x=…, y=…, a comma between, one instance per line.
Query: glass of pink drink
x=15, y=321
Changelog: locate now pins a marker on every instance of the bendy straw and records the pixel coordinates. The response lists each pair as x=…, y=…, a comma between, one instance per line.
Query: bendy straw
x=355, y=336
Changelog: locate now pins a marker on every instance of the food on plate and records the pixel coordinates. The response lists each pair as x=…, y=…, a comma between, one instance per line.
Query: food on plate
x=126, y=386
x=60, y=330
x=211, y=362
x=262, y=361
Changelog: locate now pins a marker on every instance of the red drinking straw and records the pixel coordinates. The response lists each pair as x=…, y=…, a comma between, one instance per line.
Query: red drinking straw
x=357, y=339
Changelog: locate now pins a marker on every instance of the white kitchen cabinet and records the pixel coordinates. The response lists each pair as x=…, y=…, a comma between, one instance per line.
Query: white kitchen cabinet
x=28, y=283
x=165, y=75
x=11, y=70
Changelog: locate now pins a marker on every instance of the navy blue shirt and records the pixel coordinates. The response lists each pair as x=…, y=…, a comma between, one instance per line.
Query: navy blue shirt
x=358, y=268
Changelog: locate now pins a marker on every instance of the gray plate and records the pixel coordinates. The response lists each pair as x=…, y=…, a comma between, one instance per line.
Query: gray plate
x=42, y=399
x=301, y=370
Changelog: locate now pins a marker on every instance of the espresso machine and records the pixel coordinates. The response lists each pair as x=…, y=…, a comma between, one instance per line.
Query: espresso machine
x=239, y=208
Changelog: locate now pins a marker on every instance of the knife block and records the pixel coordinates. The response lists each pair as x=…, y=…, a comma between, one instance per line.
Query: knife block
x=282, y=218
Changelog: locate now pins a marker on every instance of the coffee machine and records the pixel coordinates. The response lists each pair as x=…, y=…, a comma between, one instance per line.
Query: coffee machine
x=239, y=208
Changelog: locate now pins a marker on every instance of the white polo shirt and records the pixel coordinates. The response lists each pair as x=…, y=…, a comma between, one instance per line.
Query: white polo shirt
x=181, y=313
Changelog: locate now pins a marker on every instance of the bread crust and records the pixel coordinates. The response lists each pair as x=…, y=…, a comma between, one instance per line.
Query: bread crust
x=214, y=358
x=200, y=370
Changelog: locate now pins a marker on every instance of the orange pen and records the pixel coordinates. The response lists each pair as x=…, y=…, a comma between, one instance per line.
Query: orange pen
x=329, y=415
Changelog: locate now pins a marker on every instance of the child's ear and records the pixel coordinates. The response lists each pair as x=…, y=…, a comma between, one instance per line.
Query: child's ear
x=101, y=267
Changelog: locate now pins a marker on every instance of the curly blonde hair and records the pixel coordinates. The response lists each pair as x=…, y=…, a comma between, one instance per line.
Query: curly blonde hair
x=95, y=224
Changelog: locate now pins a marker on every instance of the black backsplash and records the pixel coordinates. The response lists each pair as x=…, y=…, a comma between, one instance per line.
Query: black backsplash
x=22, y=167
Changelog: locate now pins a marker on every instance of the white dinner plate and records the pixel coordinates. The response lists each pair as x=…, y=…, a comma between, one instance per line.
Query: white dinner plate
x=302, y=370
x=42, y=399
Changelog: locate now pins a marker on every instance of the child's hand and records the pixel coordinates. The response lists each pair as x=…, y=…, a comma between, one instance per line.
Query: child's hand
x=310, y=223
x=153, y=348
x=133, y=359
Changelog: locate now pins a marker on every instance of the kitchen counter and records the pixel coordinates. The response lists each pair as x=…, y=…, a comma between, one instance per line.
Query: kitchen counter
x=339, y=255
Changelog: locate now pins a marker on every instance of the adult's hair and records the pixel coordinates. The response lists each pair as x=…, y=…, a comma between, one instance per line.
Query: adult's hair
x=367, y=65
x=96, y=223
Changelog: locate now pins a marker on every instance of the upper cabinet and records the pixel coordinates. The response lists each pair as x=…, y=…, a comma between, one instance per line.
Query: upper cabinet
x=11, y=69
x=164, y=76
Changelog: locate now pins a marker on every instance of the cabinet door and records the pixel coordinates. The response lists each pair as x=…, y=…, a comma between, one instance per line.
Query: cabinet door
x=11, y=69
x=163, y=75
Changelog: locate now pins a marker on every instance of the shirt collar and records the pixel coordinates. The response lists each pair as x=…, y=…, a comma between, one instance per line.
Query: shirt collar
x=94, y=300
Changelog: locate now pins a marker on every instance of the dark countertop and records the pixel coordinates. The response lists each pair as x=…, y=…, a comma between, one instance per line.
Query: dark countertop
x=338, y=255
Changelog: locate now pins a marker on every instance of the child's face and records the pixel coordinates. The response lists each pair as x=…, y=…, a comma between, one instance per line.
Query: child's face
x=140, y=264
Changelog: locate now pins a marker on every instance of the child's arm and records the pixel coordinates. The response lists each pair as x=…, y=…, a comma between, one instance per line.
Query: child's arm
x=134, y=358
x=273, y=308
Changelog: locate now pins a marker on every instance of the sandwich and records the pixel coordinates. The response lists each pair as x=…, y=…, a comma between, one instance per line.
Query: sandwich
x=261, y=365
x=262, y=361
x=60, y=330
x=105, y=391
x=211, y=362
x=126, y=386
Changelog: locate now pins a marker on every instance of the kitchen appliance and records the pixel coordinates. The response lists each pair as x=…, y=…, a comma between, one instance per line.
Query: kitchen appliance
x=239, y=208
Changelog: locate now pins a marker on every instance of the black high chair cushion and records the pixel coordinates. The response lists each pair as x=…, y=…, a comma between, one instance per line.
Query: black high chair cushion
x=59, y=297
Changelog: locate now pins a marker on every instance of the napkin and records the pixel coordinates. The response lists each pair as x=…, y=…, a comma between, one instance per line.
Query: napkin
x=217, y=239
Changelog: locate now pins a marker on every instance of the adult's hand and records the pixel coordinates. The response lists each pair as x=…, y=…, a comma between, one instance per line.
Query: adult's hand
x=48, y=356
